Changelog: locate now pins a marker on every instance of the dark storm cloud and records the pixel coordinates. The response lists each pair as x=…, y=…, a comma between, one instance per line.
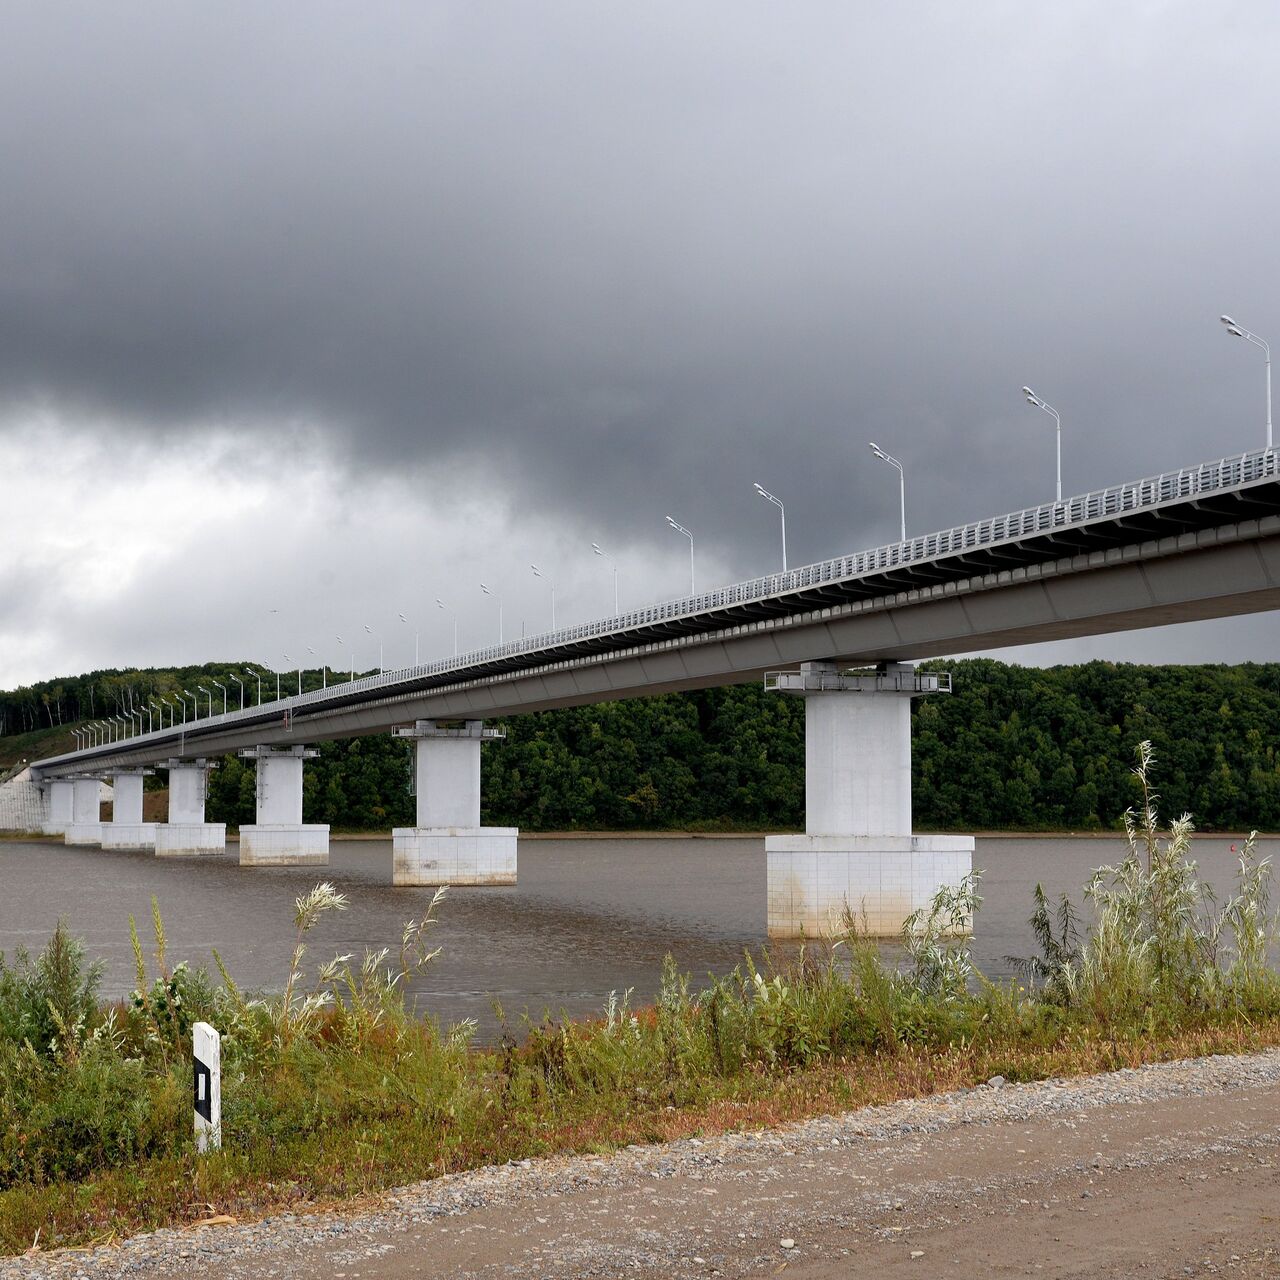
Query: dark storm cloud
x=633, y=258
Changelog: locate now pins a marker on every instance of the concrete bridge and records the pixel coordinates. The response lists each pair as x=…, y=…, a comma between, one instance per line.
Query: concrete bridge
x=1198, y=543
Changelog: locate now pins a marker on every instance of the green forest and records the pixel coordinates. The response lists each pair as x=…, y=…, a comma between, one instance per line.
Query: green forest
x=1014, y=748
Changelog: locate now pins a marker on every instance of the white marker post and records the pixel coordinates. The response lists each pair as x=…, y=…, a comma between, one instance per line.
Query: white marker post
x=206, y=1046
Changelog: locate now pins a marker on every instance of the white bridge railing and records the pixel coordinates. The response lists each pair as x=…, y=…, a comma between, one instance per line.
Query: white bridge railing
x=1201, y=481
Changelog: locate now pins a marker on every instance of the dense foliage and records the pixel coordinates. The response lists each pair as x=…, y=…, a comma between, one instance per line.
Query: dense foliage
x=332, y=1084
x=1012, y=747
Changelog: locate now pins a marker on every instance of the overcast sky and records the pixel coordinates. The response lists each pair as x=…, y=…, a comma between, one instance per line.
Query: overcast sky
x=310, y=314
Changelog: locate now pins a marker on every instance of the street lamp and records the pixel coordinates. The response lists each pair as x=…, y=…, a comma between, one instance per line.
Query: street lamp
x=902, y=483
x=407, y=623
x=324, y=669
x=441, y=604
x=782, y=511
x=240, y=682
x=595, y=546
x=493, y=597
x=217, y=684
x=208, y=693
x=344, y=644
x=257, y=675
x=375, y=636
x=289, y=659
x=1034, y=399
x=679, y=528
x=537, y=573
x=1239, y=331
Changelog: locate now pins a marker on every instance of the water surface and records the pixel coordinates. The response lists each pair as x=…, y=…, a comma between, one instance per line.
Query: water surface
x=588, y=916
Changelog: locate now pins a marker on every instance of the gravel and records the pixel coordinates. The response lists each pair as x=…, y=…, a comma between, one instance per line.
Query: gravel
x=360, y=1235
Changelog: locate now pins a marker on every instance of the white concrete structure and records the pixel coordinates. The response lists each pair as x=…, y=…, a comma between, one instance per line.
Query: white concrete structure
x=126, y=830
x=280, y=838
x=85, y=826
x=61, y=791
x=449, y=846
x=24, y=806
x=187, y=834
x=858, y=851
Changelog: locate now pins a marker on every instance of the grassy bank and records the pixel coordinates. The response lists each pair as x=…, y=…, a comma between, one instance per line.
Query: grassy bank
x=331, y=1088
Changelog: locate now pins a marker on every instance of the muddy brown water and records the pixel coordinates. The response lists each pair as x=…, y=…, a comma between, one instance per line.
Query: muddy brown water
x=589, y=916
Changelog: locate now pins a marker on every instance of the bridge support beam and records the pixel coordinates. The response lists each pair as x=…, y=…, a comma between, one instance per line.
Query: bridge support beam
x=61, y=791
x=280, y=838
x=85, y=826
x=126, y=830
x=187, y=834
x=858, y=851
x=448, y=845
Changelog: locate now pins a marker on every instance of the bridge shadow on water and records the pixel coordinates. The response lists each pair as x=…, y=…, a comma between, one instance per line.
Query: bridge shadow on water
x=588, y=916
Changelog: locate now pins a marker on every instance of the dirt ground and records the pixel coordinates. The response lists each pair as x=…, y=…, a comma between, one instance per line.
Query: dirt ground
x=1186, y=1185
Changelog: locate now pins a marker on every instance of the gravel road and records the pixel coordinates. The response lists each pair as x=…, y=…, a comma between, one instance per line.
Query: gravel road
x=1170, y=1170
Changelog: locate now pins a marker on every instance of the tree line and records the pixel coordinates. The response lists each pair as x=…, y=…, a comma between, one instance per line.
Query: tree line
x=1011, y=748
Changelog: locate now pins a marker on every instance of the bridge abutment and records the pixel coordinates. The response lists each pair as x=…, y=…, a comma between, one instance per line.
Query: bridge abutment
x=448, y=845
x=187, y=834
x=858, y=851
x=280, y=838
x=126, y=830
x=86, y=824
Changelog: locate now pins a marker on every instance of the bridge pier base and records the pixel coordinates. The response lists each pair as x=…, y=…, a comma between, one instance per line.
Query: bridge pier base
x=187, y=834
x=280, y=838
x=858, y=853
x=61, y=791
x=448, y=845
x=126, y=830
x=86, y=824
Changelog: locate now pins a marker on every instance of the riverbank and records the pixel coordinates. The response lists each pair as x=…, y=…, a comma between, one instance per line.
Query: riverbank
x=1172, y=1167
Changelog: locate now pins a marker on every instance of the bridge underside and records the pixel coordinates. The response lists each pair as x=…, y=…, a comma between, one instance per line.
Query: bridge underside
x=1217, y=572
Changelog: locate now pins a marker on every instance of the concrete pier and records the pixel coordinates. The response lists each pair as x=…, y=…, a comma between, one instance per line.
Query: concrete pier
x=858, y=851
x=448, y=845
x=187, y=834
x=126, y=830
x=85, y=826
x=61, y=791
x=280, y=838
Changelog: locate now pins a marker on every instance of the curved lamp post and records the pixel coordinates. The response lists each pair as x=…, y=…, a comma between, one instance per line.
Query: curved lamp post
x=902, y=485
x=1239, y=331
x=782, y=511
x=679, y=528
x=1034, y=399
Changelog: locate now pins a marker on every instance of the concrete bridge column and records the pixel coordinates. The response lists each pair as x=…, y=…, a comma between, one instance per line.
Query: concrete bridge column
x=858, y=850
x=126, y=830
x=60, y=806
x=187, y=834
x=448, y=845
x=85, y=826
x=280, y=838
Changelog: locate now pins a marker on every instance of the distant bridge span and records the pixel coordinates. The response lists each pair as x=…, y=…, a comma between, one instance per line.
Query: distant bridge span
x=1199, y=543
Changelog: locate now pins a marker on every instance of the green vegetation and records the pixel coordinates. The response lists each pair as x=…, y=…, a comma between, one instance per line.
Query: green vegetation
x=333, y=1087
x=1013, y=748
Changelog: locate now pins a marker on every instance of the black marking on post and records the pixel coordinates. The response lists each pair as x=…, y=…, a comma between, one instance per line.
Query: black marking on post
x=203, y=1091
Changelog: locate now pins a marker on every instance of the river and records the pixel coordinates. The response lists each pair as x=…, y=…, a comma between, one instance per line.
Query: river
x=589, y=915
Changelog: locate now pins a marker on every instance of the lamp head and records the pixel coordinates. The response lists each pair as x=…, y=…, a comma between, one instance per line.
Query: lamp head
x=485, y=589
x=402, y=617
x=537, y=573
x=1228, y=321
x=877, y=450
x=1235, y=330
x=595, y=546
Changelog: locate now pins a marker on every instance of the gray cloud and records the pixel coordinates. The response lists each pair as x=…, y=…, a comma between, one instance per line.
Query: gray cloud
x=624, y=260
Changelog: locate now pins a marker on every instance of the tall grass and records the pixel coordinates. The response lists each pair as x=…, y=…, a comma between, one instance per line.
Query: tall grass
x=333, y=1084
